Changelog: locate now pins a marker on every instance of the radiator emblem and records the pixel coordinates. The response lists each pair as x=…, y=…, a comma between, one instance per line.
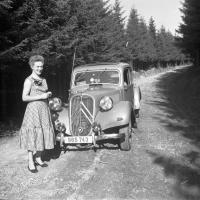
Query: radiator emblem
x=80, y=129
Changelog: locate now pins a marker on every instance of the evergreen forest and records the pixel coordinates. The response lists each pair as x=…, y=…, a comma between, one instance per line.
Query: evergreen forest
x=69, y=33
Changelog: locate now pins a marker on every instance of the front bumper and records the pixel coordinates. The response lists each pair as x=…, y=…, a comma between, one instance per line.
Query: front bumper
x=90, y=139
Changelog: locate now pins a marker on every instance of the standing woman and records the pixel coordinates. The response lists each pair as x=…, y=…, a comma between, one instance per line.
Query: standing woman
x=37, y=132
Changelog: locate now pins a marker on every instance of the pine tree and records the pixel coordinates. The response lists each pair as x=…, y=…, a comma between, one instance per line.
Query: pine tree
x=168, y=53
x=133, y=35
x=141, y=47
x=116, y=39
x=91, y=31
x=189, y=29
x=146, y=48
x=153, y=39
x=161, y=46
x=6, y=6
x=152, y=28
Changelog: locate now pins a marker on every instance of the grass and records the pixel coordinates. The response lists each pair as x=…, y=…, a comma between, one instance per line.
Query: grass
x=152, y=71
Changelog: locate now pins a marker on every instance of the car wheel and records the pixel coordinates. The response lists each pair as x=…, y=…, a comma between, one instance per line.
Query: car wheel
x=133, y=120
x=137, y=113
x=125, y=143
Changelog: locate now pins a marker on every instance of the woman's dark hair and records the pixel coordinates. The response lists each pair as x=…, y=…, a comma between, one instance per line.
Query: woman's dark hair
x=35, y=58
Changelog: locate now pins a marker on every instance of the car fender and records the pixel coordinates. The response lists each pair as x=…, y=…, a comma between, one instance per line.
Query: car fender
x=137, y=97
x=119, y=115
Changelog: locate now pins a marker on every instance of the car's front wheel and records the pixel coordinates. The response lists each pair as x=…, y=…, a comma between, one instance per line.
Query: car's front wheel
x=125, y=143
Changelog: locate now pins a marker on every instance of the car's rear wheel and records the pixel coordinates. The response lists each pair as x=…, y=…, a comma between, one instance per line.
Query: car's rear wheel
x=125, y=143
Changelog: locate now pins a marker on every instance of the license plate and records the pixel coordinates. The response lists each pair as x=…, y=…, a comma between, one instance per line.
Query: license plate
x=78, y=139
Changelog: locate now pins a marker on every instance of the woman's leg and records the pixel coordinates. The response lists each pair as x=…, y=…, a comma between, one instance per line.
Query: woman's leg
x=38, y=157
x=31, y=164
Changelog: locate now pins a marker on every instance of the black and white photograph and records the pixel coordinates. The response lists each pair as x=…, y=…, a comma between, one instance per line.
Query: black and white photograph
x=99, y=99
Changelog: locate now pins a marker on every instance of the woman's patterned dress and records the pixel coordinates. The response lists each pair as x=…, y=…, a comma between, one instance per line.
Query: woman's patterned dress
x=37, y=132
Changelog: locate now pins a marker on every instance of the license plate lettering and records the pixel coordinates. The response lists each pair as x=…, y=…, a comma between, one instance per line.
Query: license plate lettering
x=83, y=140
x=71, y=139
x=78, y=139
x=75, y=140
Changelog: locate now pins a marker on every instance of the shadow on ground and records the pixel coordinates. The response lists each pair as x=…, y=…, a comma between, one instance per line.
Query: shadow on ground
x=52, y=153
x=181, y=104
x=56, y=152
x=187, y=179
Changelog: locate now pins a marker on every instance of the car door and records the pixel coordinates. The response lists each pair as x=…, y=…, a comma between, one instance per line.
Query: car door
x=128, y=87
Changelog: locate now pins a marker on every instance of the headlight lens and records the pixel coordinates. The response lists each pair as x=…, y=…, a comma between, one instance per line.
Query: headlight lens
x=106, y=103
x=55, y=104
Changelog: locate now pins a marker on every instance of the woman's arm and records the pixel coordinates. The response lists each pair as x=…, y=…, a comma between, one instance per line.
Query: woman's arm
x=26, y=93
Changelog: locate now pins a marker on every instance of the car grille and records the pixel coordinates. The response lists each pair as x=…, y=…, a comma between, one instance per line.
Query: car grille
x=81, y=115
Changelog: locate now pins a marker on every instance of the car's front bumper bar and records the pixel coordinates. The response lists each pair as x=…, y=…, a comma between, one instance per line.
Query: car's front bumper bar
x=91, y=139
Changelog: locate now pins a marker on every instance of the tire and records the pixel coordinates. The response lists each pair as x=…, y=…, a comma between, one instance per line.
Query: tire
x=125, y=143
x=137, y=115
x=133, y=120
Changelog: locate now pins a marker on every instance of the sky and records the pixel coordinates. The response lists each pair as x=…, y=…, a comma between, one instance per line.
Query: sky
x=164, y=12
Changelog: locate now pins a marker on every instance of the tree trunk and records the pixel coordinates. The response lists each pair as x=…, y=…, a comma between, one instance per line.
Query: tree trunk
x=3, y=96
x=197, y=57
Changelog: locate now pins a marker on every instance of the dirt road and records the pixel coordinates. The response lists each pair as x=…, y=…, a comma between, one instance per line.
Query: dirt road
x=164, y=162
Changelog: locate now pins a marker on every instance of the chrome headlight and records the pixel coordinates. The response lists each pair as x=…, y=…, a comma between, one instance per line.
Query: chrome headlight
x=55, y=104
x=106, y=103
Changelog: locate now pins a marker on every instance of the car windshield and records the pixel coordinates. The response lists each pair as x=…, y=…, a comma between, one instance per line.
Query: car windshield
x=97, y=77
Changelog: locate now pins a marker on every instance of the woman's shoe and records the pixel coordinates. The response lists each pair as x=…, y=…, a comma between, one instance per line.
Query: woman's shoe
x=41, y=165
x=33, y=170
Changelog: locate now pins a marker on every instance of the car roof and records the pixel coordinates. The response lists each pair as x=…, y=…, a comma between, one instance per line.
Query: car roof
x=105, y=65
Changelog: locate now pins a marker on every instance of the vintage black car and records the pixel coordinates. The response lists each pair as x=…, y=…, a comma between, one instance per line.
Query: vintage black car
x=101, y=106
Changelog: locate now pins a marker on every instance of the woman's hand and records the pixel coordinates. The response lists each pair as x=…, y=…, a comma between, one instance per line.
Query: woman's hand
x=50, y=94
x=46, y=95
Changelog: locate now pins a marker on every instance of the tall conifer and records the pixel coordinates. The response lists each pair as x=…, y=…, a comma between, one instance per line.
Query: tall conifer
x=116, y=39
x=189, y=29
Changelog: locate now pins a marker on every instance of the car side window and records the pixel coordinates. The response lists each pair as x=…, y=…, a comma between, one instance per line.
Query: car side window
x=127, y=77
